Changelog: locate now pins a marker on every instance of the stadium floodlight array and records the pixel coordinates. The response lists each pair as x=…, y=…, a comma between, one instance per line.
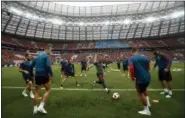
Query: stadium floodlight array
x=126, y=21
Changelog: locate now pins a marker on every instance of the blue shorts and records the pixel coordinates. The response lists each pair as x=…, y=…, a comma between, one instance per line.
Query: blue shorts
x=164, y=75
x=27, y=77
x=141, y=87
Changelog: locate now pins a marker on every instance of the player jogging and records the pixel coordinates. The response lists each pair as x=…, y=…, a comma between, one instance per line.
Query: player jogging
x=125, y=66
x=139, y=68
x=83, y=67
x=43, y=76
x=63, y=62
x=99, y=68
x=69, y=70
x=164, y=62
x=25, y=69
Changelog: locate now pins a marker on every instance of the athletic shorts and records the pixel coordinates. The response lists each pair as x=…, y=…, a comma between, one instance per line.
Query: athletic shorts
x=27, y=78
x=118, y=66
x=164, y=75
x=40, y=80
x=125, y=68
x=83, y=68
x=69, y=74
x=141, y=87
x=62, y=70
x=100, y=76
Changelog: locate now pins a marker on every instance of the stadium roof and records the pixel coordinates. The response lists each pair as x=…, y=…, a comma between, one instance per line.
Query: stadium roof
x=71, y=21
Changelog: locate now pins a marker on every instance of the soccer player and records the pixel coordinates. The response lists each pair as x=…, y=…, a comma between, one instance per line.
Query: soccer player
x=118, y=64
x=63, y=62
x=164, y=62
x=43, y=76
x=25, y=69
x=99, y=68
x=83, y=67
x=69, y=70
x=139, y=68
x=125, y=66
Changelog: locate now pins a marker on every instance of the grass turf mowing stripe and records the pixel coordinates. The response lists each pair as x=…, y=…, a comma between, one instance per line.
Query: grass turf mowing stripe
x=78, y=89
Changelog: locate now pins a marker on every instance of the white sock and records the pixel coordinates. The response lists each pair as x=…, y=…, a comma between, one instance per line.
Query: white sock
x=165, y=90
x=146, y=108
x=169, y=92
x=41, y=105
x=35, y=107
x=148, y=101
x=25, y=90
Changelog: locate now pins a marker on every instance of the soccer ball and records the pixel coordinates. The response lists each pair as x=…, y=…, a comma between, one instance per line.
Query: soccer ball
x=115, y=96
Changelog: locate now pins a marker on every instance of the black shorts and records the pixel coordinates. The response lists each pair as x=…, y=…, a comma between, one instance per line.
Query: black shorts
x=100, y=76
x=27, y=77
x=69, y=74
x=40, y=80
x=62, y=70
x=164, y=75
x=125, y=68
x=118, y=67
x=141, y=87
x=83, y=68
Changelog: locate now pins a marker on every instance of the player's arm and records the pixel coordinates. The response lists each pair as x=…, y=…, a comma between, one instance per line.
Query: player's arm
x=73, y=67
x=169, y=60
x=131, y=69
x=21, y=70
x=48, y=67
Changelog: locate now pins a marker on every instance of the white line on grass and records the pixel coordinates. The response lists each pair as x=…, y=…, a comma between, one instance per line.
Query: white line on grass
x=81, y=89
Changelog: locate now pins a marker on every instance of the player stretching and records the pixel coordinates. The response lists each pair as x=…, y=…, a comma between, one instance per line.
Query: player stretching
x=43, y=76
x=69, y=70
x=139, y=68
x=163, y=62
x=99, y=68
x=25, y=69
x=125, y=66
x=83, y=67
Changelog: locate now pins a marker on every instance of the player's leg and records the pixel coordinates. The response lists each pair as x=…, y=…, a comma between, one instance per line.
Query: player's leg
x=81, y=71
x=169, y=84
x=141, y=89
x=30, y=89
x=77, y=84
x=24, y=92
x=36, y=98
x=63, y=81
x=147, y=98
x=161, y=75
x=47, y=85
x=102, y=82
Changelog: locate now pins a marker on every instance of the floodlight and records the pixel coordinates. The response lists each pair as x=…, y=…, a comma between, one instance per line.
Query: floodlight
x=177, y=14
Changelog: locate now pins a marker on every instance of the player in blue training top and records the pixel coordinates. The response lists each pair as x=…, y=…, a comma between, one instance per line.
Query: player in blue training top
x=27, y=73
x=69, y=70
x=125, y=65
x=43, y=76
x=63, y=62
x=83, y=66
x=139, y=66
x=164, y=62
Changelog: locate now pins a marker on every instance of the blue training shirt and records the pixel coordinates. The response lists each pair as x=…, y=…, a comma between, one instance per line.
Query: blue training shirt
x=141, y=68
x=63, y=63
x=26, y=65
x=163, y=61
x=83, y=63
x=125, y=62
x=42, y=65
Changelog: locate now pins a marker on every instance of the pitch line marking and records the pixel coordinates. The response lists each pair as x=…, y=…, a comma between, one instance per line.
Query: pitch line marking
x=81, y=89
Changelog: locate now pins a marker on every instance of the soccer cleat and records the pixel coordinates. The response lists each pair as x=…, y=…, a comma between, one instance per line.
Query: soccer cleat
x=61, y=87
x=145, y=112
x=31, y=95
x=35, y=110
x=168, y=96
x=42, y=110
x=108, y=91
x=77, y=85
x=24, y=94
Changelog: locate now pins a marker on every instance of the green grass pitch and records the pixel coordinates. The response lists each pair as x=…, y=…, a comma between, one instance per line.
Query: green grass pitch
x=92, y=104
